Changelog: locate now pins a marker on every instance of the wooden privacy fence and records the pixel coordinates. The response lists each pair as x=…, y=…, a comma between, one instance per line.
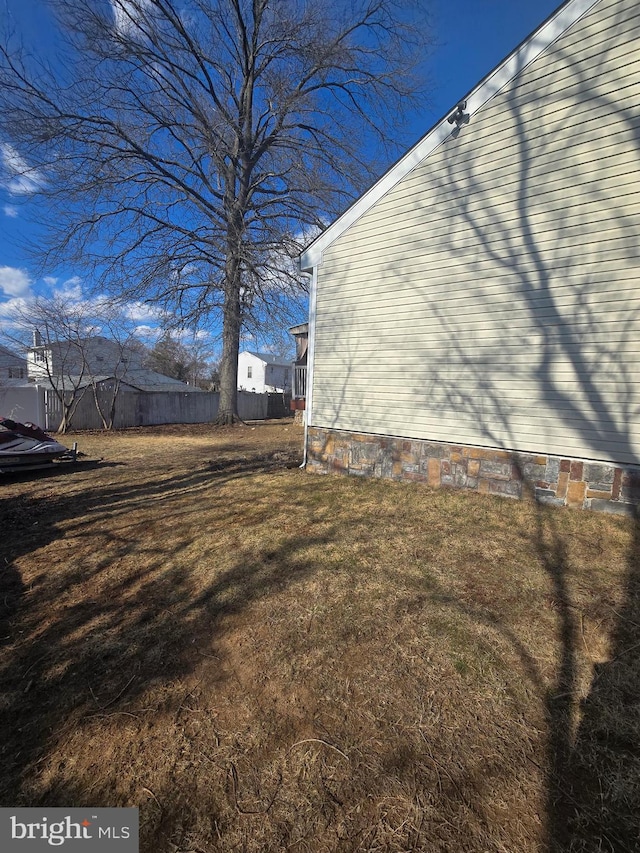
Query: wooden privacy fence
x=163, y=407
x=135, y=408
x=278, y=405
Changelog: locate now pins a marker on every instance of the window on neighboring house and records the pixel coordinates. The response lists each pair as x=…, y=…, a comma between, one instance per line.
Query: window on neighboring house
x=249, y=372
x=16, y=373
x=38, y=356
x=99, y=358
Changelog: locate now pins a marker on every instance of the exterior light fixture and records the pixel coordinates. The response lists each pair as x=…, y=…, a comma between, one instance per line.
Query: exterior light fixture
x=458, y=116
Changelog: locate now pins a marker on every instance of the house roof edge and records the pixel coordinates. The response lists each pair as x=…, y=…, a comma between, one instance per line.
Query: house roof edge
x=564, y=17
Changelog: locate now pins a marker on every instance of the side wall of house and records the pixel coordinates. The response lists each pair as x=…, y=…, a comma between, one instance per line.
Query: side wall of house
x=12, y=366
x=490, y=299
x=255, y=382
x=278, y=378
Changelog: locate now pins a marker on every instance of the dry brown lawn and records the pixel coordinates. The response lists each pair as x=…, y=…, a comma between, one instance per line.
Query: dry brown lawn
x=266, y=660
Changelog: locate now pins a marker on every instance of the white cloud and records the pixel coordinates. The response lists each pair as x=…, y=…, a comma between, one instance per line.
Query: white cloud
x=127, y=14
x=14, y=282
x=22, y=179
x=10, y=210
x=181, y=335
x=148, y=333
x=182, y=272
x=70, y=289
x=92, y=329
x=142, y=311
x=10, y=307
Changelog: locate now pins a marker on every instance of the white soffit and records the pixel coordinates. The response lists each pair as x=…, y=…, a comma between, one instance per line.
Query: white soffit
x=522, y=56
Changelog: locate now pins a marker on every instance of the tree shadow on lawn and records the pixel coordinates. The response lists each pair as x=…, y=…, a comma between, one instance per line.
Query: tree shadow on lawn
x=594, y=783
x=593, y=752
x=593, y=743
x=86, y=641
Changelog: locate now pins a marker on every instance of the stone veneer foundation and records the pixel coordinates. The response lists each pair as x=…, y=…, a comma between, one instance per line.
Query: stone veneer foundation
x=552, y=480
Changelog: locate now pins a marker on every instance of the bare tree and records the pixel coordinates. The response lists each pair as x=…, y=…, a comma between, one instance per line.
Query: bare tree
x=188, y=361
x=53, y=333
x=124, y=348
x=203, y=362
x=65, y=346
x=189, y=148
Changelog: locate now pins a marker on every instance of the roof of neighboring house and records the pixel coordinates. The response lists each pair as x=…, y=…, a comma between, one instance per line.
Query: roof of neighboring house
x=300, y=329
x=94, y=348
x=528, y=50
x=270, y=359
x=15, y=383
x=141, y=380
x=99, y=340
x=149, y=380
x=6, y=353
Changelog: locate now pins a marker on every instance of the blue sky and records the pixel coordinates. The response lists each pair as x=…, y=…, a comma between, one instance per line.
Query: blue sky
x=471, y=37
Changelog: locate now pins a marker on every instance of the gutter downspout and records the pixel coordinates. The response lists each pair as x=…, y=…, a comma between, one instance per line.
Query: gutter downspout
x=310, y=357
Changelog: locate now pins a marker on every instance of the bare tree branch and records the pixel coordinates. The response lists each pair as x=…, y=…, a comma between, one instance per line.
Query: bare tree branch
x=189, y=149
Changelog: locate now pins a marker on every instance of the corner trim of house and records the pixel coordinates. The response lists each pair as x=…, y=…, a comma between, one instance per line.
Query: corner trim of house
x=311, y=351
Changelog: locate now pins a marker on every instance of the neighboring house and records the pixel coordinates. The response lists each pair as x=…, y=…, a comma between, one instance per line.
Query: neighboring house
x=89, y=356
x=12, y=366
x=15, y=395
x=96, y=360
x=475, y=315
x=263, y=373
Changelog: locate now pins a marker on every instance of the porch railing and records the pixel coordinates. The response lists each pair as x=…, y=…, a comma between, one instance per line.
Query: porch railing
x=299, y=382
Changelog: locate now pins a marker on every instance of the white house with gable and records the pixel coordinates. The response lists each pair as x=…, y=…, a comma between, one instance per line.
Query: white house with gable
x=264, y=373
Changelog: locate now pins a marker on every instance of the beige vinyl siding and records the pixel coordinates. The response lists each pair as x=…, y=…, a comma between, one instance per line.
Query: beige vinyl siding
x=602, y=168
x=492, y=297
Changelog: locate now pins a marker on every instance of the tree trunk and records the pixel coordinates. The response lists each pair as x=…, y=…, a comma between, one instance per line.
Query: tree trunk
x=228, y=408
x=97, y=405
x=66, y=412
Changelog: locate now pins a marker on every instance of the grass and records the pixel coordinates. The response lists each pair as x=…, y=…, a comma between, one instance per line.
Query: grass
x=266, y=660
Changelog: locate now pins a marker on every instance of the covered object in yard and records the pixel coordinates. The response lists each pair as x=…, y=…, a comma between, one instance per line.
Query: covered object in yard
x=26, y=446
